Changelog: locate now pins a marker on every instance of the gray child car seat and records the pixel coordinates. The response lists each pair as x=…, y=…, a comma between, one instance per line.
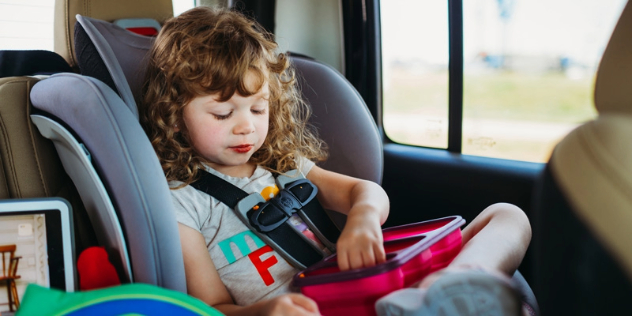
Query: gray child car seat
x=96, y=131
x=95, y=128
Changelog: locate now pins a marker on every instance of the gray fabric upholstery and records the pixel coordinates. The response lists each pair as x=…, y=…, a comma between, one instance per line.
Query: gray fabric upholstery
x=343, y=121
x=123, y=53
x=128, y=166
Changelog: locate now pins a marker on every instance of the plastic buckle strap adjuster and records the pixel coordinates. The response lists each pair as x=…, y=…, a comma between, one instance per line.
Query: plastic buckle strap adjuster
x=282, y=206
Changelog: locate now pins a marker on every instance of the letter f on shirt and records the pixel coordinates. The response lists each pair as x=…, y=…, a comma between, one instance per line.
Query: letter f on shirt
x=239, y=240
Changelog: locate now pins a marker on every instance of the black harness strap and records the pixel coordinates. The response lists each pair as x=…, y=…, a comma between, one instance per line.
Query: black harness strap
x=219, y=188
x=317, y=215
x=284, y=235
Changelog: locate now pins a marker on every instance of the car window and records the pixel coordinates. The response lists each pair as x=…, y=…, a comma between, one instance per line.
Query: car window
x=528, y=72
x=28, y=24
x=415, y=71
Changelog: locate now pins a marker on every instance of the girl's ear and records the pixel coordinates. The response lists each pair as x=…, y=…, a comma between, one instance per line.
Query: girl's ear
x=176, y=128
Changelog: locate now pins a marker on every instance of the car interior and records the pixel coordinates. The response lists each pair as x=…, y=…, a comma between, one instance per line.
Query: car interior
x=69, y=126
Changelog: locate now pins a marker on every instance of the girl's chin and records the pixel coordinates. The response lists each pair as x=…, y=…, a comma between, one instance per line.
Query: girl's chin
x=232, y=164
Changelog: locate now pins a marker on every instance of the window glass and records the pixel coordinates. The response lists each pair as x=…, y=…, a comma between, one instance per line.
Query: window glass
x=415, y=71
x=26, y=24
x=180, y=6
x=529, y=71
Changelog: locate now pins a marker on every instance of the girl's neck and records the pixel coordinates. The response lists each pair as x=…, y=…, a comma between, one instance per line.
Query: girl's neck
x=241, y=171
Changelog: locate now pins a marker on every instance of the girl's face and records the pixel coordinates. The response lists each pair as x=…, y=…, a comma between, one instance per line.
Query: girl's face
x=227, y=133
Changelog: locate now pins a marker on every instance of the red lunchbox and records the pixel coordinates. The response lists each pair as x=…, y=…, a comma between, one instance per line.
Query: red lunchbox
x=412, y=252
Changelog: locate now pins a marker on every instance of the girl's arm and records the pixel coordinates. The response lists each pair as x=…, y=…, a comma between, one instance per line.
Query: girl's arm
x=204, y=283
x=366, y=205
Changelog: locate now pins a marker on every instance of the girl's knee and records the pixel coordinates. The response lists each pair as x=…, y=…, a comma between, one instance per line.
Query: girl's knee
x=509, y=214
x=506, y=210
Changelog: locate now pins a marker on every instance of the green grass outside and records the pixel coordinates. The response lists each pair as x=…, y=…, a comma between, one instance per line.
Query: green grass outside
x=550, y=97
x=502, y=96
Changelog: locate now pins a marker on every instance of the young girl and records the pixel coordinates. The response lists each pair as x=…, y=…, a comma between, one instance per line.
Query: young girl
x=219, y=98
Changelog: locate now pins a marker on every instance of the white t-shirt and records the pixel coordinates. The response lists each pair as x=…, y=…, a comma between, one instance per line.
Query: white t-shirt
x=250, y=269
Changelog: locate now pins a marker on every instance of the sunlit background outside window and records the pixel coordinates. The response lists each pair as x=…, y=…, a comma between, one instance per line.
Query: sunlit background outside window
x=529, y=71
x=28, y=24
x=415, y=71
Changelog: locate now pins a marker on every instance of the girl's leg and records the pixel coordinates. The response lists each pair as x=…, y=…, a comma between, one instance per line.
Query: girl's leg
x=495, y=241
x=494, y=244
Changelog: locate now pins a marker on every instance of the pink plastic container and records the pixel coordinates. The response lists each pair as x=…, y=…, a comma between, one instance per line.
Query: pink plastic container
x=412, y=252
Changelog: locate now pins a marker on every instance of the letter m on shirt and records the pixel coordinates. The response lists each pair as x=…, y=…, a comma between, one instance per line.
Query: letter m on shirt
x=239, y=240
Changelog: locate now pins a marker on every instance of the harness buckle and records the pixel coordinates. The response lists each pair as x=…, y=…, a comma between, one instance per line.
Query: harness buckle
x=276, y=211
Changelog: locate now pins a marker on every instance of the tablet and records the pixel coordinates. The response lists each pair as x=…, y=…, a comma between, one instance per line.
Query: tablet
x=41, y=231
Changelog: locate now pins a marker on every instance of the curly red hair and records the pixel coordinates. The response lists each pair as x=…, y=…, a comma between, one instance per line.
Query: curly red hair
x=210, y=51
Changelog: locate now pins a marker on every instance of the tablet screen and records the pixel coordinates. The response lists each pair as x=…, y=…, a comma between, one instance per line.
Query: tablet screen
x=36, y=236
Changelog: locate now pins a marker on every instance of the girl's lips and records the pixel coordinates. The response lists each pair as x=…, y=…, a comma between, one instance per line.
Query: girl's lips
x=242, y=148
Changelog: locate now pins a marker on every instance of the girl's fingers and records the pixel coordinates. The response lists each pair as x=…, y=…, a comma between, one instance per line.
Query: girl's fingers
x=368, y=258
x=380, y=255
x=305, y=302
x=343, y=261
x=356, y=260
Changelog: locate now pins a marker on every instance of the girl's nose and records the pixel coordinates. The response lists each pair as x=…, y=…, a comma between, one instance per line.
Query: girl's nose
x=244, y=126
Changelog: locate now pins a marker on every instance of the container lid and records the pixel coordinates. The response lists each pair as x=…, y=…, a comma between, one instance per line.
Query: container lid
x=446, y=226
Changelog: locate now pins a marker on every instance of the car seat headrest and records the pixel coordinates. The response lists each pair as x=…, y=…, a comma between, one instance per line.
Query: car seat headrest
x=614, y=77
x=66, y=11
x=113, y=55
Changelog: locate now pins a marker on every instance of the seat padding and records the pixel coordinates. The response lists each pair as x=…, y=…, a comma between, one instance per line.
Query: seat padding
x=614, y=76
x=342, y=119
x=66, y=11
x=129, y=169
x=593, y=166
x=30, y=167
x=123, y=54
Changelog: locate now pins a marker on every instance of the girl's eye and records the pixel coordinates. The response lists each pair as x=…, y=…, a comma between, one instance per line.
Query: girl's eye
x=222, y=117
x=258, y=111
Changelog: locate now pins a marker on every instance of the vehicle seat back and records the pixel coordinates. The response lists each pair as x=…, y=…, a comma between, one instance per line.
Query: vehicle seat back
x=583, y=215
x=30, y=166
x=30, y=63
x=109, y=158
x=66, y=11
x=124, y=161
x=343, y=122
x=117, y=58
x=342, y=119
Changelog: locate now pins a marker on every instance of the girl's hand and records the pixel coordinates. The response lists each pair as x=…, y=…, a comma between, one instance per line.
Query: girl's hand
x=290, y=304
x=361, y=242
x=366, y=205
